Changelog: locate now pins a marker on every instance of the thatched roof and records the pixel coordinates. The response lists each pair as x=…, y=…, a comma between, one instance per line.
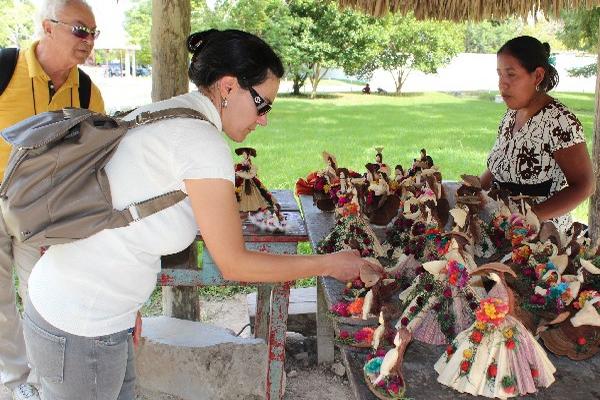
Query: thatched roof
x=460, y=10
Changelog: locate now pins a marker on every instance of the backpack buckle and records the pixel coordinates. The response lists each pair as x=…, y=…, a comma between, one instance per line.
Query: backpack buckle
x=134, y=212
x=141, y=117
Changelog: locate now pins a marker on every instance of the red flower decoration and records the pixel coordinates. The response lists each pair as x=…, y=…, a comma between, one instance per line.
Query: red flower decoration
x=510, y=344
x=476, y=337
x=492, y=371
x=581, y=341
x=450, y=350
x=465, y=366
x=535, y=373
x=344, y=334
x=404, y=321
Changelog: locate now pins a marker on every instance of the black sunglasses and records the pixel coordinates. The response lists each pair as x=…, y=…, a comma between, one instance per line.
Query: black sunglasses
x=80, y=31
x=262, y=106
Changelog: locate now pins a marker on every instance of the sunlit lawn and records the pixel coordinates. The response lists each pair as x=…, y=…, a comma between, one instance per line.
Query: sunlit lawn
x=457, y=132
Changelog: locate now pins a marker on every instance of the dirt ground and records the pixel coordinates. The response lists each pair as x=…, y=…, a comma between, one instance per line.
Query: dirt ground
x=305, y=379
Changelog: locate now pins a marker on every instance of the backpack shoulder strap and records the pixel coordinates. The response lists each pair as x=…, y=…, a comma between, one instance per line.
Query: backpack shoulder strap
x=151, y=206
x=148, y=117
x=8, y=63
x=85, y=89
x=143, y=209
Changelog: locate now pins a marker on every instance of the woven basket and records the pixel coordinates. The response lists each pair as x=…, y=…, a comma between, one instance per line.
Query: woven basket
x=562, y=340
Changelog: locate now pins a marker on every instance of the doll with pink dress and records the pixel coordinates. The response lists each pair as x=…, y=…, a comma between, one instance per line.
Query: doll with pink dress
x=496, y=356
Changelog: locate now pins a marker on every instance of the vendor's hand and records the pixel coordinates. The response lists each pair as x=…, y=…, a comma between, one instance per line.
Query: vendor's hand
x=346, y=265
x=137, y=329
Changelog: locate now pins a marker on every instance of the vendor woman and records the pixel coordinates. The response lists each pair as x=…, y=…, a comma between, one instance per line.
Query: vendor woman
x=540, y=149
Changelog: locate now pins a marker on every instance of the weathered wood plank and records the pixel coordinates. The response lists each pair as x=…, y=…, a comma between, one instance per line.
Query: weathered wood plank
x=594, y=210
x=325, y=333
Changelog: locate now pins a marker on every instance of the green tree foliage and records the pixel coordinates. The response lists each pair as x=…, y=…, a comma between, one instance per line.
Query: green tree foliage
x=138, y=21
x=311, y=36
x=581, y=33
x=580, y=30
x=17, y=27
x=488, y=36
x=325, y=37
x=410, y=45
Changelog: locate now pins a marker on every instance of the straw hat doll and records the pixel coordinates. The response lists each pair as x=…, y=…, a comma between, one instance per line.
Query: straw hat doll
x=325, y=180
x=441, y=300
x=379, y=206
x=351, y=230
x=396, y=186
x=383, y=168
x=251, y=194
x=496, y=356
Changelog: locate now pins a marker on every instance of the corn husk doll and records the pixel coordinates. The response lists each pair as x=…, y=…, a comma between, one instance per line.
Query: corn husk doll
x=496, y=356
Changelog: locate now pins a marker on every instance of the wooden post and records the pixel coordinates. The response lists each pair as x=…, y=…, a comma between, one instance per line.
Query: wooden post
x=170, y=29
x=594, y=216
x=181, y=301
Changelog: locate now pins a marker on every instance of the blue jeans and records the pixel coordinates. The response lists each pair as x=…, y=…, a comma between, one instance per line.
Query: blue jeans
x=74, y=367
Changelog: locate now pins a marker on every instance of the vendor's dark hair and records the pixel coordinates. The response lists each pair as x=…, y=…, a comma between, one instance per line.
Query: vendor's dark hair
x=531, y=54
x=231, y=53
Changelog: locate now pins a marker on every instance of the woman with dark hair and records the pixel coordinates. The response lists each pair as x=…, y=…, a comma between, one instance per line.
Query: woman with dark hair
x=84, y=295
x=540, y=149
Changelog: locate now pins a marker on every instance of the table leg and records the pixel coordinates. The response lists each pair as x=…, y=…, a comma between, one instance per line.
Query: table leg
x=276, y=341
x=325, y=348
x=263, y=312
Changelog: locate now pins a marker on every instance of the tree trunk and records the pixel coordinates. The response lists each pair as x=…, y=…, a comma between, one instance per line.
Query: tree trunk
x=594, y=216
x=298, y=83
x=170, y=29
x=314, y=80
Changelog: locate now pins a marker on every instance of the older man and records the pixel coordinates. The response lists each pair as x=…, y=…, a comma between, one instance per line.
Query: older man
x=45, y=78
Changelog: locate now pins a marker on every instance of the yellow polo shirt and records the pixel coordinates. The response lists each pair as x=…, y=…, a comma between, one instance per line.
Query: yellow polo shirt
x=27, y=94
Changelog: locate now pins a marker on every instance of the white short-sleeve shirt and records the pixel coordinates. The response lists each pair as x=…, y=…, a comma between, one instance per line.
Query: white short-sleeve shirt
x=95, y=286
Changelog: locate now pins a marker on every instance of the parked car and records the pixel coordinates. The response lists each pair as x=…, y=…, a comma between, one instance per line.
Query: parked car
x=142, y=70
x=115, y=69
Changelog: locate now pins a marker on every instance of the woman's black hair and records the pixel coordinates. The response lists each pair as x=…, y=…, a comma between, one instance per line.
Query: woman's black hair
x=532, y=54
x=231, y=53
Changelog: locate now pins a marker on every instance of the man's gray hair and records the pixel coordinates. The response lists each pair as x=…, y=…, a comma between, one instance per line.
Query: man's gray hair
x=50, y=9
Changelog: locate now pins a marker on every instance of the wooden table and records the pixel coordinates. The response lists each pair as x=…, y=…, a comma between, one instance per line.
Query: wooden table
x=272, y=299
x=574, y=380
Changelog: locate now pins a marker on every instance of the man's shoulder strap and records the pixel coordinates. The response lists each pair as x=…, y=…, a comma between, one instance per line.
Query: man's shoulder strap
x=8, y=63
x=85, y=89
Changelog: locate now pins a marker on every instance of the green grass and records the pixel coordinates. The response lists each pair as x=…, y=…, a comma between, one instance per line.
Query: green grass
x=457, y=131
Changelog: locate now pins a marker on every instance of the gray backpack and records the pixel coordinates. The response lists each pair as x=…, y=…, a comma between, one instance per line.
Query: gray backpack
x=55, y=189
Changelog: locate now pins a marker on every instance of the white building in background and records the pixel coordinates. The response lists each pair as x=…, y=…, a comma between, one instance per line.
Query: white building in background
x=476, y=72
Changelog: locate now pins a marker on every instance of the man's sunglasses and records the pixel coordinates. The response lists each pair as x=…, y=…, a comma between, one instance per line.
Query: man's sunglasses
x=262, y=105
x=80, y=31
